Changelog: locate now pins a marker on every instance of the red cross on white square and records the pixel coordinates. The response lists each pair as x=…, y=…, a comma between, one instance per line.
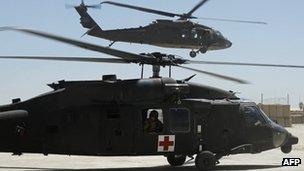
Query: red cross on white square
x=166, y=143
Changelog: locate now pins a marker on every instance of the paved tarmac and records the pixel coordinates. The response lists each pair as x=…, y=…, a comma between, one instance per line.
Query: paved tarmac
x=266, y=161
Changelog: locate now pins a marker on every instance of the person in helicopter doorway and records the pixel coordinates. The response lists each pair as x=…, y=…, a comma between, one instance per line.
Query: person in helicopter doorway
x=153, y=124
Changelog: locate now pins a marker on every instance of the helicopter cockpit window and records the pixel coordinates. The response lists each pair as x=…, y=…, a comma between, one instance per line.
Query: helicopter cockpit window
x=218, y=33
x=265, y=116
x=194, y=34
x=253, y=116
x=179, y=120
x=153, y=121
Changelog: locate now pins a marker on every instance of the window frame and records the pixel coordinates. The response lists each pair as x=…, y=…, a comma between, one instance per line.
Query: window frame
x=145, y=115
x=170, y=120
x=259, y=115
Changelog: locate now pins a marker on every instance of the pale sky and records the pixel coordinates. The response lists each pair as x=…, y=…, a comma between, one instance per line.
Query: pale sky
x=279, y=42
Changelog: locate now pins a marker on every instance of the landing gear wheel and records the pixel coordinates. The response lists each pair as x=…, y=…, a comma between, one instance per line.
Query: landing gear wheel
x=193, y=54
x=286, y=149
x=203, y=49
x=205, y=161
x=176, y=160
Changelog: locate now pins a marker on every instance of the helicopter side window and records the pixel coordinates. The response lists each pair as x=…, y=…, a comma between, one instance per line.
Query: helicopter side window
x=253, y=116
x=153, y=121
x=179, y=120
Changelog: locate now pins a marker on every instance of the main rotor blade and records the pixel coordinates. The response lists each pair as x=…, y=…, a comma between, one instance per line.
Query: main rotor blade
x=232, y=20
x=75, y=59
x=242, y=64
x=114, y=52
x=216, y=75
x=94, y=6
x=168, y=14
x=189, y=14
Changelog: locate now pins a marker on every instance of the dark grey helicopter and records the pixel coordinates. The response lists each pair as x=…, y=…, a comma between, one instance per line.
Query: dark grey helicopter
x=180, y=33
x=147, y=116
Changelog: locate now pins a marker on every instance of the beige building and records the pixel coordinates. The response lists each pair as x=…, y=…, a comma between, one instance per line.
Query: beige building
x=278, y=113
x=297, y=116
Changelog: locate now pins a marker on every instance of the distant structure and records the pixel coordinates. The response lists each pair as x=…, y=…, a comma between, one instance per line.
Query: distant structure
x=297, y=116
x=301, y=105
x=278, y=109
x=275, y=100
x=279, y=113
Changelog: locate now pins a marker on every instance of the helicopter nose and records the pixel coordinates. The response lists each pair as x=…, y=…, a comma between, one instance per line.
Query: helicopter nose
x=282, y=138
x=279, y=137
x=291, y=140
x=228, y=43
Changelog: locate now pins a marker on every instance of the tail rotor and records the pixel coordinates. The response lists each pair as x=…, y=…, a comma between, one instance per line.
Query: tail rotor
x=83, y=5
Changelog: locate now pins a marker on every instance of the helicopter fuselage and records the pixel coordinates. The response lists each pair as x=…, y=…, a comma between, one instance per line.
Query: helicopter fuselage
x=108, y=117
x=168, y=33
x=163, y=33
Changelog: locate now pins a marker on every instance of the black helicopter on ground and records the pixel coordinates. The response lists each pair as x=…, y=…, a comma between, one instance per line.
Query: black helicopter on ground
x=108, y=117
x=180, y=33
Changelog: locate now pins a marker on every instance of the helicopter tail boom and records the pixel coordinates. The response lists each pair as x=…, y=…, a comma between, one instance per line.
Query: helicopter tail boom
x=87, y=21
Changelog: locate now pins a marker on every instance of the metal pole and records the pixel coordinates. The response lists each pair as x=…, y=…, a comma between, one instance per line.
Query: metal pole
x=156, y=70
x=170, y=71
x=142, y=71
x=262, y=98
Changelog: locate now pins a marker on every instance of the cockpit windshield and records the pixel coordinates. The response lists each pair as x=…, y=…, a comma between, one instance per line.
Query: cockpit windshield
x=265, y=116
x=218, y=33
x=253, y=116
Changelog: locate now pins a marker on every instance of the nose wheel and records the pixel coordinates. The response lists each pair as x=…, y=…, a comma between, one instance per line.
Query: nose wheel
x=192, y=54
x=286, y=149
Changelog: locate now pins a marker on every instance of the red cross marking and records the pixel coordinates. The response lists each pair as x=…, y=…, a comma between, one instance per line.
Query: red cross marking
x=166, y=143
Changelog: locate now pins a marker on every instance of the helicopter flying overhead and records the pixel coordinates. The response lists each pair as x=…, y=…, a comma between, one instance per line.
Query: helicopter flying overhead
x=156, y=59
x=152, y=116
x=180, y=33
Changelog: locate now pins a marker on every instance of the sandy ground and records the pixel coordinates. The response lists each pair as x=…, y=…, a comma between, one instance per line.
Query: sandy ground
x=269, y=160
